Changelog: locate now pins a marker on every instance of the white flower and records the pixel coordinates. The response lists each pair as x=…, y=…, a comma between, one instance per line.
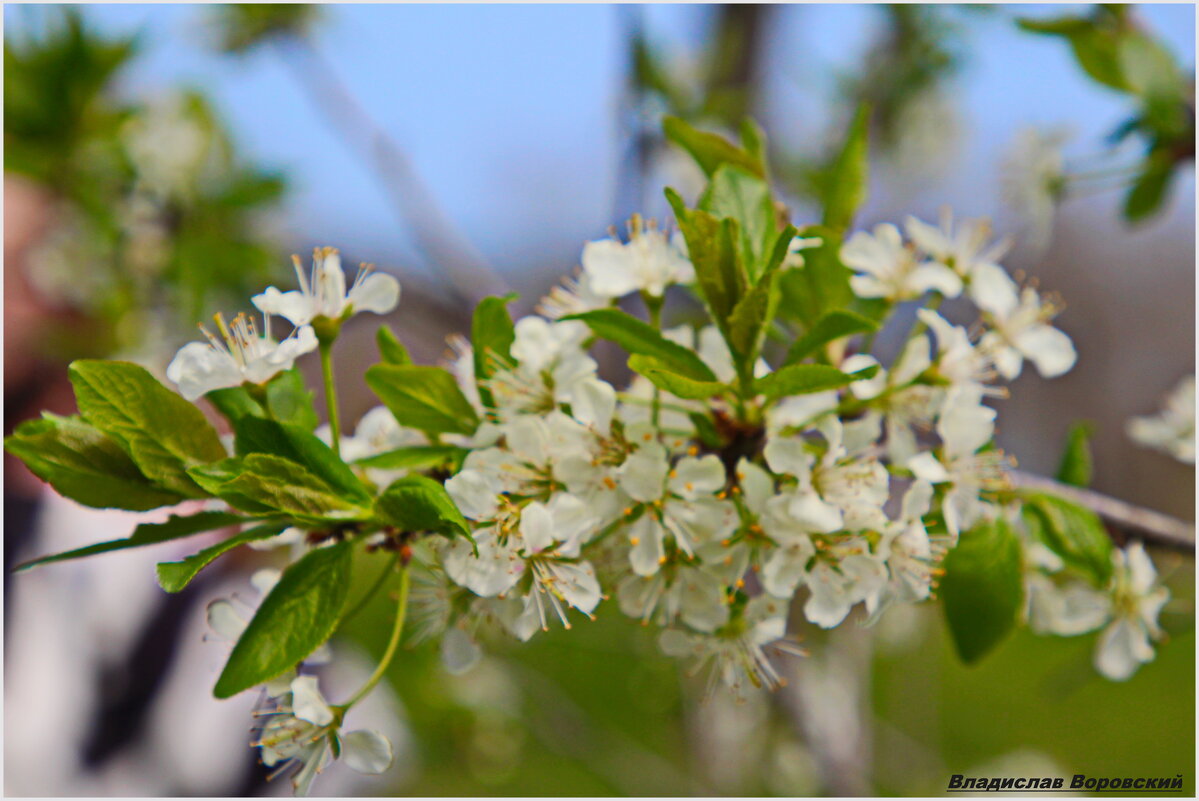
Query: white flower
x=737, y=652
x=1033, y=178
x=1137, y=599
x=968, y=252
x=302, y=734
x=965, y=426
x=794, y=259
x=904, y=403
x=889, y=269
x=686, y=593
x=680, y=502
x=844, y=574
x=1021, y=330
x=1066, y=611
x=1172, y=430
x=957, y=361
x=550, y=366
x=323, y=293
x=573, y=296
x=648, y=262
x=241, y=354
x=908, y=552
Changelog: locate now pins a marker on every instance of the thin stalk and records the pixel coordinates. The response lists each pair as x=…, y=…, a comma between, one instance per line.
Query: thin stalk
x=397, y=632
x=654, y=306
x=369, y=594
x=326, y=349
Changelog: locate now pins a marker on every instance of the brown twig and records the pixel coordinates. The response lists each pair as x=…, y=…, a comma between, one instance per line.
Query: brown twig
x=1153, y=527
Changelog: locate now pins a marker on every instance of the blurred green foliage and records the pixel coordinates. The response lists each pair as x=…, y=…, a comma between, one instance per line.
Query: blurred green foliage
x=243, y=26
x=599, y=710
x=155, y=220
x=1115, y=50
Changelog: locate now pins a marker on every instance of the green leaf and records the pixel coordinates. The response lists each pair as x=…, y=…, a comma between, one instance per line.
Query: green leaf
x=161, y=432
x=1149, y=189
x=289, y=400
x=1077, y=466
x=1073, y=532
x=636, y=336
x=712, y=246
x=801, y=379
x=1147, y=66
x=845, y=189
x=84, y=464
x=146, y=534
x=417, y=503
x=234, y=403
x=821, y=285
x=983, y=588
x=272, y=483
x=734, y=192
x=492, y=335
x=175, y=576
x=747, y=323
x=425, y=398
x=254, y=435
x=663, y=377
x=391, y=349
x=415, y=457
x=300, y=613
x=828, y=327
x=710, y=150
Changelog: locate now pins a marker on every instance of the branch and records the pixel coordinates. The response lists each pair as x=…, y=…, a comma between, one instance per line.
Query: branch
x=447, y=249
x=1153, y=527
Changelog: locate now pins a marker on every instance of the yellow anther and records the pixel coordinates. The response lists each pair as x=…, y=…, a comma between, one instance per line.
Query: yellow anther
x=634, y=541
x=739, y=583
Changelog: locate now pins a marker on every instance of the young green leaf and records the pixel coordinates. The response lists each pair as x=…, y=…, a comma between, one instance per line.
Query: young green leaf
x=161, y=432
x=297, y=616
x=846, y=188
x=281, y=486
x=712, y=245
x=1149, y=189
x=492, y=335
x=147, y=534
x=175, y=576
x=828, y=327
x=1077, y=465
x=743, y=196
x=425, y=398
x=415, y=457
x=84, y=464
x=636, y=336
x=983, y=588
x=802, y=379
x=663, y=377
x=391, y=350
x=288, y=400
x=417, y=503
x=710, y=150
x=1073, y=532
x=254, y=435
x=822, y=285
x=234, y=403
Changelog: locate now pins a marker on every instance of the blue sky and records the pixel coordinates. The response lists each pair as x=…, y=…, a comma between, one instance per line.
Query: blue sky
x=508, y=112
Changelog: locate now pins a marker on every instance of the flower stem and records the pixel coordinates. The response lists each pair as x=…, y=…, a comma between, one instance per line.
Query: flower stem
x=326, y=348
x=397, y=632
x=654, y=306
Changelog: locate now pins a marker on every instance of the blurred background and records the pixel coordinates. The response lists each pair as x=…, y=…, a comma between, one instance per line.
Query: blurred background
x=161, y=162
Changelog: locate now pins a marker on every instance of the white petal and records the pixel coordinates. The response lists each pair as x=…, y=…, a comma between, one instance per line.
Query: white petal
x=925, y=465
x=788, y=455
x=645, y=535
x=366, y=751
x=593, y=403
x=1122, y=648
x=295, y=307
x=225, y=621
x=695, y=477
x=643, y=474
x=378, y=293
x=757, y=486
x=1048, y=348
x=536, y=527
x=459, y=653
x=993, y=290
x=610, y=268
x=307, y=703
x=473, y=494
x=198, y=369
x=937, y=277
